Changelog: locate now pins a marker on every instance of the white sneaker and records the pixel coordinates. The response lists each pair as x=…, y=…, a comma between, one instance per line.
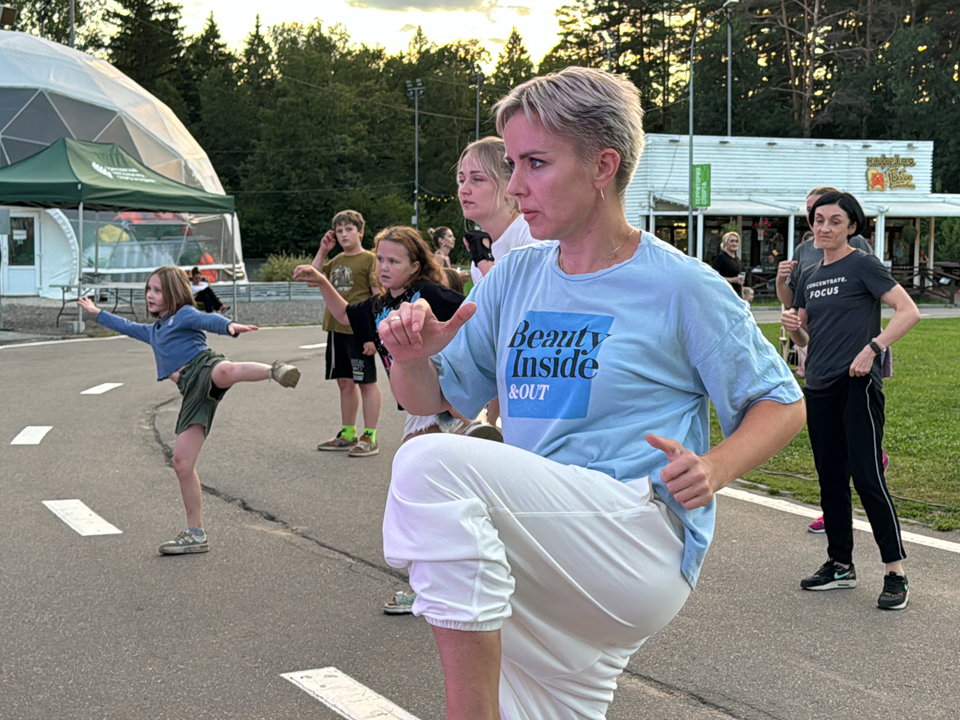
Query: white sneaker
x=286, y=375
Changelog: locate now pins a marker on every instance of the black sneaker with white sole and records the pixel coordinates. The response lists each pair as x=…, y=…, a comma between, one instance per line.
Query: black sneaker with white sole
x=895, y=592
x=831, y=576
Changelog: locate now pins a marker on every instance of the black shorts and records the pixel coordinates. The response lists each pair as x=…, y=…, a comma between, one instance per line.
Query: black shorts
x=345, y=359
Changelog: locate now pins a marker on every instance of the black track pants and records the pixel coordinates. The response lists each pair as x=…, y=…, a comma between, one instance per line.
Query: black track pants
x=845, y=422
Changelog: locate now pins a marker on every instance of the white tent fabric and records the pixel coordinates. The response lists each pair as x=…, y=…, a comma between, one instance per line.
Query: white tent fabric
x=49, y=91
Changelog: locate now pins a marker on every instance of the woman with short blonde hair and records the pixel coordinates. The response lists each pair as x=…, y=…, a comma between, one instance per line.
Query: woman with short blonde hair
x=543, y=563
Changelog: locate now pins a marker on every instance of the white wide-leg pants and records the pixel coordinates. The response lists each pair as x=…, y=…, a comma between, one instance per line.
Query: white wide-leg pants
x=575, y=568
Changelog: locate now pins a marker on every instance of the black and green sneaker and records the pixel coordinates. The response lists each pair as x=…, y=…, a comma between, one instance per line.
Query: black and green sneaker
x=831, y=576
x=895, y=592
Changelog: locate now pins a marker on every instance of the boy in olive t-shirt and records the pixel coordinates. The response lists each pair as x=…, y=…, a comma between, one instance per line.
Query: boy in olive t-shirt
x=353, y=274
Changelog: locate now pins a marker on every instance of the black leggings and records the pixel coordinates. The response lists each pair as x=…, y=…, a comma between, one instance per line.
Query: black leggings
x=845, y=422
x=208, y=299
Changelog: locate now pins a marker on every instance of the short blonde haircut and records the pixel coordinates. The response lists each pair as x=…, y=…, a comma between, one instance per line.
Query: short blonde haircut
x=594, y=110
x=490, y=155
x=724, y=241
x=175, y=287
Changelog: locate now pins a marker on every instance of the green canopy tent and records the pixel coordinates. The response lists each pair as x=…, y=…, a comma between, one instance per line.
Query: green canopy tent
x=99, y=176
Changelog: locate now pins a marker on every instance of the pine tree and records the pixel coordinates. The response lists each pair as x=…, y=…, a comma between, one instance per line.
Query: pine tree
x=514, y=65
x=148, y=45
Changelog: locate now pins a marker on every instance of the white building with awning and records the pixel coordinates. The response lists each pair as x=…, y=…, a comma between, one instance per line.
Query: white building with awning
x=759, y=187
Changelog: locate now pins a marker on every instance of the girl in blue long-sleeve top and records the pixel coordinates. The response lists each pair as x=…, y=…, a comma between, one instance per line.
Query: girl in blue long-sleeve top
x=179, y=343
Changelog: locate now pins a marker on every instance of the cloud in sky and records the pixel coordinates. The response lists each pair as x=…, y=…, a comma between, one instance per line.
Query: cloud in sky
x=479, y=6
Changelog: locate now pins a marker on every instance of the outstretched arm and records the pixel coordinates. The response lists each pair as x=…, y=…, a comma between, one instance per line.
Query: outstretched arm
x=334, y=300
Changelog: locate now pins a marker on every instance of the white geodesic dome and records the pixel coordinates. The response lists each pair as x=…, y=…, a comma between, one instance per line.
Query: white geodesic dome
x=49, y=91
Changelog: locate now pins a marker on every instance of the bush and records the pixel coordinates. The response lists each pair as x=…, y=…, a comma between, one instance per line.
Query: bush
x=279, y=268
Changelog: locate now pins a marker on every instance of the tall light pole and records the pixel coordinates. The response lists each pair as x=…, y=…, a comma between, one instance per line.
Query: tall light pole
x=729, y=74
x=693, y=44
x=477, y=78
x=414, y=91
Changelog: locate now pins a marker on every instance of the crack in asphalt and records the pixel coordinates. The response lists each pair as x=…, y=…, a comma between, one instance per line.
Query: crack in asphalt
x=265, y=514
x=675, y=691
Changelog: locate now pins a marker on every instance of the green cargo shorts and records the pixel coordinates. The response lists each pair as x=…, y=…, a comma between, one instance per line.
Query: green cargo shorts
x=200, y=396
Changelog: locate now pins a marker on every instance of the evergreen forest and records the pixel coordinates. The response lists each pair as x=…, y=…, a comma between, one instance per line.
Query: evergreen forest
x=302, y=122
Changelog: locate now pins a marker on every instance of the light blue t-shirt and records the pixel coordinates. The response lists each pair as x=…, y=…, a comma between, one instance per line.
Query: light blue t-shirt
x=176, y=340
x=586, y=365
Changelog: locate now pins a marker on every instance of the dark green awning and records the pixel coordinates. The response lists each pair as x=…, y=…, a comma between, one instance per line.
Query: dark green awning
x=102, y=177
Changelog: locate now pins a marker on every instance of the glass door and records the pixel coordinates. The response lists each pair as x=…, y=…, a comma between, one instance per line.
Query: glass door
x=20, y=258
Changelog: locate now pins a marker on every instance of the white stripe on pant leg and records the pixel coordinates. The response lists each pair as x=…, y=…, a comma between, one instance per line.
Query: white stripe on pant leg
x=880, y=481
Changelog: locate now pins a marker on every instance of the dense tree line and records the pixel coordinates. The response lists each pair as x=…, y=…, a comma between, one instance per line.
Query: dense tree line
x=303, y=122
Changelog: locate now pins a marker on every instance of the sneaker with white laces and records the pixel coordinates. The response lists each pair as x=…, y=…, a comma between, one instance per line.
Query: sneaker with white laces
x=338, y=443
x=817, y=526
x=484, y=431
x=831, y=576
x=365, y=447
x=895, y=592
x=285, y=374
x=186, y=542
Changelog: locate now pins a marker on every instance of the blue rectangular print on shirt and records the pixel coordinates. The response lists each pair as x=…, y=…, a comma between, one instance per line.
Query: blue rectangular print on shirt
x=552, y=361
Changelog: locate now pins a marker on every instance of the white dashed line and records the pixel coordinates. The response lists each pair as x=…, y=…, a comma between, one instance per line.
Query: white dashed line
x=345, y=696
x=81, y=518
x=101, y=389
x=31, y=435
x=789, y=507
x=312, y=347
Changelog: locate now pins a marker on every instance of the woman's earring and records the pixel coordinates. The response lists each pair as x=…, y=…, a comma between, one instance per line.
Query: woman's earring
x=602, y=198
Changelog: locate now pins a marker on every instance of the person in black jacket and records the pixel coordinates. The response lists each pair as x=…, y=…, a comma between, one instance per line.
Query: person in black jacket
x=727, y=262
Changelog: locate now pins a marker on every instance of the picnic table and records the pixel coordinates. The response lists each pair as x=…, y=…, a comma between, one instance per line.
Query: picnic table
x=122, y=293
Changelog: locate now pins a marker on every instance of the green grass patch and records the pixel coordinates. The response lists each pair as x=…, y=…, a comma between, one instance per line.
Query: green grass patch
x=921, y=435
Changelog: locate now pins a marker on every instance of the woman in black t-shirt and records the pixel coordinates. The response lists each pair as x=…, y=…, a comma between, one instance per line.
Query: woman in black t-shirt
x=726, y=262
x=837, y=312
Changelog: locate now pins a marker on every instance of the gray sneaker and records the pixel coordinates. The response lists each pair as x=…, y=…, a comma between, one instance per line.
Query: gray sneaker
x=286, y=375
x=338, y=443
x=186, y=542
x=365, y=447
x=483, y=430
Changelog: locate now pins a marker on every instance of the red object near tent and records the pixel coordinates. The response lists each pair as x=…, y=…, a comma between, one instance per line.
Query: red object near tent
x=210, y=275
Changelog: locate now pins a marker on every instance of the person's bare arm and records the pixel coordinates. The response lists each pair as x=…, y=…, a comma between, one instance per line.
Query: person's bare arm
x=905, y=316
x=334, y=300
x=767, y=428
x=327, y=243
x=784, y=293
x=795, y=323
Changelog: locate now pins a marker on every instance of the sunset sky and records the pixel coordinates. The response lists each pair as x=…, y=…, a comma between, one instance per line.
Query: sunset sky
x=391, y=23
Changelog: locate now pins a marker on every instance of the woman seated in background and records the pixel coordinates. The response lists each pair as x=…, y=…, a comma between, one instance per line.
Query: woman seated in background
x=204, y=295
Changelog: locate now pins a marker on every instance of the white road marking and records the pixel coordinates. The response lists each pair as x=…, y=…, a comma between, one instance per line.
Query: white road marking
x=101, y=389
x=790, y=507
x=81, y=518
x=31, y=435
x=345, y=696
x=311, y=347
x=14, y=346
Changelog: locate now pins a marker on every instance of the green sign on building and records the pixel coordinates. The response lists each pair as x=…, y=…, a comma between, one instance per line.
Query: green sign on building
x=701, y=185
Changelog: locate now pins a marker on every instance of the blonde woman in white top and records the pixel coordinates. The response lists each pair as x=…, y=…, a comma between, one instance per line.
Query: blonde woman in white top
x=482, y=178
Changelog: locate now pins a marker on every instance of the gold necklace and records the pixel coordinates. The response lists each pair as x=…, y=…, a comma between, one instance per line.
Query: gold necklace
x=608, y=258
